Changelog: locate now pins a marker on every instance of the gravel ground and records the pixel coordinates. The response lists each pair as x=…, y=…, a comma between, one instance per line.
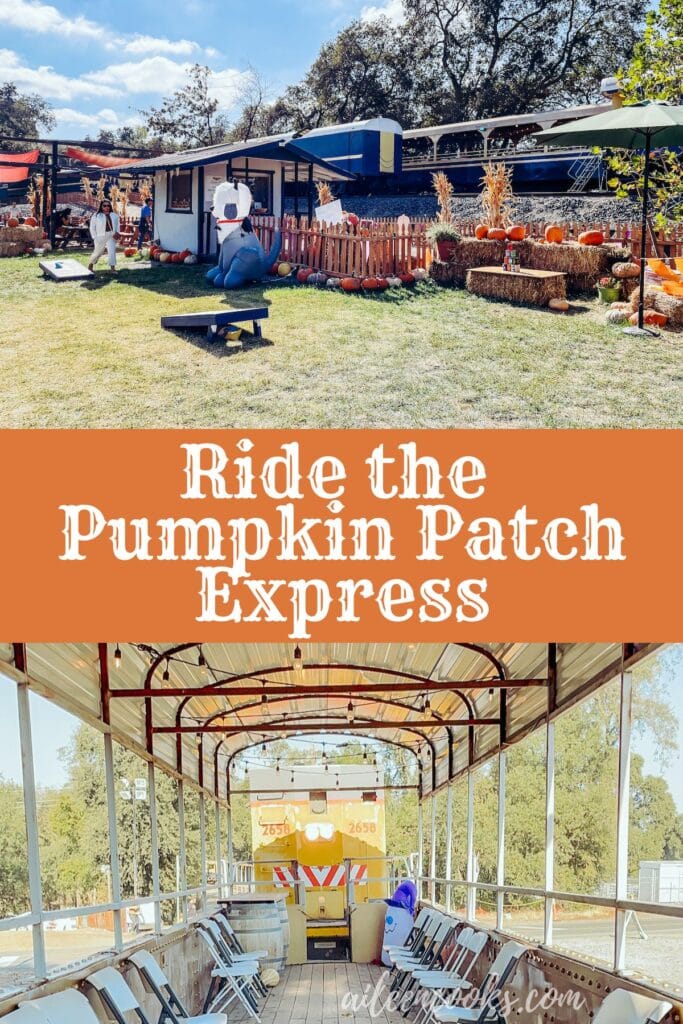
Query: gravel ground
x=527, y=207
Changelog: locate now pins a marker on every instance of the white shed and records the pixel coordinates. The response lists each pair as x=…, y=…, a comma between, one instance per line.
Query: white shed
x=660, y=881
x=184, y=184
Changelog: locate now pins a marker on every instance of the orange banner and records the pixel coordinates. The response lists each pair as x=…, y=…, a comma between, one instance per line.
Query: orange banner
x=341, y=535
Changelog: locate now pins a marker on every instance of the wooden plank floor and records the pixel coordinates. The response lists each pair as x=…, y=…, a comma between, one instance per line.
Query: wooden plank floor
x=320, y=993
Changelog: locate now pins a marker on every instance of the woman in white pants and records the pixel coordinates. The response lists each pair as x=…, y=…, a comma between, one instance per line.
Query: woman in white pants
x=104, y=229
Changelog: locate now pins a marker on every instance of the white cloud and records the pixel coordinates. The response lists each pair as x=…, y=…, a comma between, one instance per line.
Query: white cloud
x=391, y=9
x=49, y=83
x=105, y=118
x=44, y=19
x=33, y=16
x=149, y=44
x=149, y=75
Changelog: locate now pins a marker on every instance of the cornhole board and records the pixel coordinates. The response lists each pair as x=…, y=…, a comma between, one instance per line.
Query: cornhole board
x=215, y=319
x=64, y=270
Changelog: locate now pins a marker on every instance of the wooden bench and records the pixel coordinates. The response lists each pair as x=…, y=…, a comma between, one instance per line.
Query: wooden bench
x=216, y=319
x=536, y=287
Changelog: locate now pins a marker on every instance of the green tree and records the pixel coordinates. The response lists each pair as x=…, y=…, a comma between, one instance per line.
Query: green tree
x=655, y=73
x=23, y=115
x=189, y=116
x=14, y=897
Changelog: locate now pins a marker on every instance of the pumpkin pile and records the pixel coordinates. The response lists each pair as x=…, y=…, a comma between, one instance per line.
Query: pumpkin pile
x=160, y=255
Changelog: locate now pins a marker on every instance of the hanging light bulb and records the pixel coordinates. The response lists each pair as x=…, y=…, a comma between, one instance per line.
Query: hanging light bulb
x=263, y=748
x=349, y=712
x=117, y=657
x=201, y=662
x=491, y=691
x=298, y=660
x=264, y=695
x=337, y=781
x=426, y=706
x=374, y=761
x=166, y=675
x=277, y=765
x=365, y=753
x=292, y=778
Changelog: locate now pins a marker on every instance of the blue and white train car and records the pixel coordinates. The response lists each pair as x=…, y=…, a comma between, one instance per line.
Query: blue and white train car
x=366, y=148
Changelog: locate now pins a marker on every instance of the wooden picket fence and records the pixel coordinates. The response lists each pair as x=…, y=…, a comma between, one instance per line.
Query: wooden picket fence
x=395, y=246
x=374, y=248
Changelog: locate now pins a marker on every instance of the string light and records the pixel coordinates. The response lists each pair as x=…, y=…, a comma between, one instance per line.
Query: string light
x=167, y=675
x=350, y=712
x=426, y=706
x=117, y=657
x=201, y=662
x=264, y=695
x=298, y=660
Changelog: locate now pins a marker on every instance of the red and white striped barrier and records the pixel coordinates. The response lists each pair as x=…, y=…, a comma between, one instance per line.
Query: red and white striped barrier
x=318, y=877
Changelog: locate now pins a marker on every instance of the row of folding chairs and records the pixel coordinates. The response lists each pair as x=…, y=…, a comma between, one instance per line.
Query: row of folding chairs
x=235, y=977
x=431, y=977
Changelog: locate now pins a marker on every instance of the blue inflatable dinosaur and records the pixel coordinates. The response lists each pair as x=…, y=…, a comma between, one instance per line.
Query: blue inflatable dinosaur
x=241, y=258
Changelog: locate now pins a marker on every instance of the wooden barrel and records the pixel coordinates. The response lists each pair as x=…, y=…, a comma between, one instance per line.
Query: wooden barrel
x=261, y=926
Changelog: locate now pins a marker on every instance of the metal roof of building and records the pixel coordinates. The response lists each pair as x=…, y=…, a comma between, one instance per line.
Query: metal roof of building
x=280, y=148
x=162, y=696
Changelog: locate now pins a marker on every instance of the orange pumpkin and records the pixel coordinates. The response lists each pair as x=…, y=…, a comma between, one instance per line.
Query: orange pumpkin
x=496, y=234
x=481, y=231
x=370, y=284
x=130, y=251
x=382, y=284
x=407, y=278
x=351, y=284
x=31, y=222
x=591, y=238
x=554, y=233
x=303, y=274
x=516, y=233
x=12, y=222
x=650, y=316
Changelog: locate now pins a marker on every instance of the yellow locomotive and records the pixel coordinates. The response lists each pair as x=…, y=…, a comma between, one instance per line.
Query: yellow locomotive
x=318, y=834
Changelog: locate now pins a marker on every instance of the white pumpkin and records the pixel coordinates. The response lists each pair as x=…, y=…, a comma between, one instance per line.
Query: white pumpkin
x=419, y=273
x=559, y=305
x=190, y=260
x=616, y=316
x=333, y=282
x=270, y=977
x=394, y=282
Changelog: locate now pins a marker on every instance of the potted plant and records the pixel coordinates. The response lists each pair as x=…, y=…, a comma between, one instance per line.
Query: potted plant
x=609, y=289
x=444, y=238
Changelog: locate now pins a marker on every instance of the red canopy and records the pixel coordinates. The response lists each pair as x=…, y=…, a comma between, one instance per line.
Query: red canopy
x=11, y=174
x=96, y=159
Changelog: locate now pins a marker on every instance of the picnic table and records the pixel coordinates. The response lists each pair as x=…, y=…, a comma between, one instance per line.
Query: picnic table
x=79, y=233
x=536, y=287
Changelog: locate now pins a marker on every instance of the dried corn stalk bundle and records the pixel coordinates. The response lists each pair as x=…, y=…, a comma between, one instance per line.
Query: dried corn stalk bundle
x=497, y=195
x=325, y=194
x=444, y=197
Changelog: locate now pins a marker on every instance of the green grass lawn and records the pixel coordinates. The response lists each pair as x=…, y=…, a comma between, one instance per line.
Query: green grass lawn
x=92, y=354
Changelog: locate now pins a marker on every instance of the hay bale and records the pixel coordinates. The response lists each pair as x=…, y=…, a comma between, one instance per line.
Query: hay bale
x=445, y=273
x=24, y=233
x=670, y=305
x=469, y=253
x=510, y=287
x=583, y=264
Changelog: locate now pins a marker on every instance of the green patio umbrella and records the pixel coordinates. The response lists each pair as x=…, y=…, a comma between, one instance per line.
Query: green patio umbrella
x=640, y=126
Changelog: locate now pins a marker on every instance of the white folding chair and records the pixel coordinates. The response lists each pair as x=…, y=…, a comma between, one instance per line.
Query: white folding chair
x=67, y=1007
x=26, y=1013
x=423, y=941
x=228, y=938
x=454, y=978
x=415, y=934
x=172, y=1008
x=489, y=1010
x=229, y=980
x=406, y=967
x=623, y=1007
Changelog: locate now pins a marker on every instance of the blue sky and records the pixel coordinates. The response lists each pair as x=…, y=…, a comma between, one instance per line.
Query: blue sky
x=51, y=728
x=99, y=63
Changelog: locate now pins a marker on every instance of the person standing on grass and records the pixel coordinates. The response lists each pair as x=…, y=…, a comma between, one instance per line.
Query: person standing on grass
x=104, y=229
x=145, y=225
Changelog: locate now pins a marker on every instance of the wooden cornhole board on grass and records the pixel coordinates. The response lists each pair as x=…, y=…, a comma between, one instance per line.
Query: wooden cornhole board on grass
x=536, y=287
x=64, y=270
x=215, y=319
